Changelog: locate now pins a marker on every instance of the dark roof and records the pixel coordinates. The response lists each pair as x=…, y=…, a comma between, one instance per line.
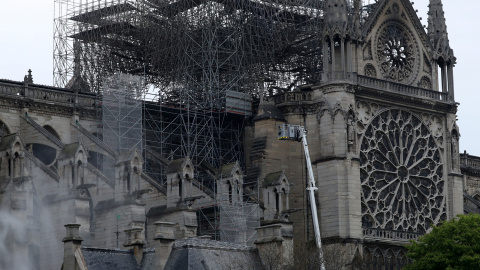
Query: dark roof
x=175, y=165
x=69, y=150
x=127, y=156
x=109, y=259
x=7, y=140
x=272, y=179
x=269, y=111
x=226, y=170
x=200, y=254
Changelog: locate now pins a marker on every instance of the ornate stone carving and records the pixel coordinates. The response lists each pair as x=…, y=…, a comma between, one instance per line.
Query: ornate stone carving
x=425, y=82
x=395, y=8
x=367, y=51
x=365, y=111
x=427, y=66
x=370, y=71
x=455, y=151
x=401, y=174
x=384, y=258
x=351, y=132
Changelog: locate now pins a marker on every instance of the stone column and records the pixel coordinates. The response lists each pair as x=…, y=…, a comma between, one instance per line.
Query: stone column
x=326, y=64
x=444, y=78
x=135, y=239
x=332, y=51
x=451, y=85
x=165, y=237
x=72, y=245
x=349, y=57
x=342, y=46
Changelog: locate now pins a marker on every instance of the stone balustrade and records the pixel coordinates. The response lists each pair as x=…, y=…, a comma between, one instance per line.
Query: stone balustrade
x=364, y=82
x=401, y=88
x=46, y=94
x=338, y=76
x=389, y=234
x=299, y=96
x=467, y=160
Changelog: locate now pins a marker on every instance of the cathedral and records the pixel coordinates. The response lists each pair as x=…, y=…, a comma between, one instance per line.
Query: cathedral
x=106, y=179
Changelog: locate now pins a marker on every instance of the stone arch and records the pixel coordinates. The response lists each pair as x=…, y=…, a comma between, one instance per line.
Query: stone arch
x=45, y=153
x=17, y=148
x=390, y=259
x=4, y=129
x=338, y=110
x=276, y=193
x=378, y=259
x=80, y=172
x=52, y=131
x=367, y=259
x=401, y=259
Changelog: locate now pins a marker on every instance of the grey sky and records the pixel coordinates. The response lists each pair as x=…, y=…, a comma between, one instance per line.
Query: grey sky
x=26, y=41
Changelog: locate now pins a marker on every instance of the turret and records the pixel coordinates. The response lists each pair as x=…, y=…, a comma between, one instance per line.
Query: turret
x=437, y=28
x=337, y=37
x=336, y=13
x=442, y=54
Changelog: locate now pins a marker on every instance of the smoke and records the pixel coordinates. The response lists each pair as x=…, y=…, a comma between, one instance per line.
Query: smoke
x=13, y=239
x=27, y=237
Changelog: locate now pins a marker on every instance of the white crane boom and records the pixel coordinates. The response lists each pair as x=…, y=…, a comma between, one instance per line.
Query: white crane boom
x=296, y=132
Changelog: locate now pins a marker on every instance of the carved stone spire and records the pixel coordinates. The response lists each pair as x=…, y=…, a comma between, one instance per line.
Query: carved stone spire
x=336, y=17
x=437, y=30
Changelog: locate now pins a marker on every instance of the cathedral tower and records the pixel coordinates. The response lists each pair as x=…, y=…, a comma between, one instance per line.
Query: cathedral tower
x=382, y=131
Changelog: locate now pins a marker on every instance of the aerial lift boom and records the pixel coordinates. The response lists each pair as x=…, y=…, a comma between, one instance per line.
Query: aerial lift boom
x=298, y=133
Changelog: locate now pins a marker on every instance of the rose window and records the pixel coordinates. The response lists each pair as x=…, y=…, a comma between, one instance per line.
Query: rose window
x=401, y=174
x=396, y=53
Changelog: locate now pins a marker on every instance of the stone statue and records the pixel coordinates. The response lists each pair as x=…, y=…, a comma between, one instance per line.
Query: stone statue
x=455, y=152
x=350, y=132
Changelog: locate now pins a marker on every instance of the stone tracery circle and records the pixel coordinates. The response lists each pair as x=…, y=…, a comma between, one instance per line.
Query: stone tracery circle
x=397, y=52
x=401, y=174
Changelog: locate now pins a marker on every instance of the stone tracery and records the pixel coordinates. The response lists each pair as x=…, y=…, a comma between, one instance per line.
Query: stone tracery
x=396, y=52
x=401, y=174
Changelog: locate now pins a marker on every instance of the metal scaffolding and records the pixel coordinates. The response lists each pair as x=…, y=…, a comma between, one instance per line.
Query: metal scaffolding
x=230, y=223
x=122, y=112
x=188, y=48
x=201, y=62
